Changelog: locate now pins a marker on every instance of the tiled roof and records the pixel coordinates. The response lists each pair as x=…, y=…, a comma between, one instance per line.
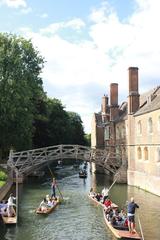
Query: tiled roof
x=151, y=102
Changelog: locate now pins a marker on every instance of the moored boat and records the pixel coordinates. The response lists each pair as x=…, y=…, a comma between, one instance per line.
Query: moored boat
x=9, y=220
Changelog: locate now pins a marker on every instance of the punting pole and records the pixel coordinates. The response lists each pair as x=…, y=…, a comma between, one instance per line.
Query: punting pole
x=112, y=184
x=17, y=195
x=140, y=226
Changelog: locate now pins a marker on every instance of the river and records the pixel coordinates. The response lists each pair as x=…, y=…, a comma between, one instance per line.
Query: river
x=77, y=218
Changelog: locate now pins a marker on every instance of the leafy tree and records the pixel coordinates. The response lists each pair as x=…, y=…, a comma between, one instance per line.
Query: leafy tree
x=88, y=139
x=58, y=122
x=20, y=89
x=76, y=130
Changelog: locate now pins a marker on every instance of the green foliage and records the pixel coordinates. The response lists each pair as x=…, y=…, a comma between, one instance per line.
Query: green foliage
x=3, y=176
x=57, y=126
x=76, y=130
x=20, y=89
x=88, y=139
x=29, y=119
x=2, y=183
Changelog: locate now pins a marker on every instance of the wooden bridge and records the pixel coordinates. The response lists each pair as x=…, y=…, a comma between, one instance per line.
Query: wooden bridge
x=26, y=162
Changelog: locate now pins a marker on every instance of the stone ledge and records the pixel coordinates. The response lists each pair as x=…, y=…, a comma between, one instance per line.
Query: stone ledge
x=5, y=189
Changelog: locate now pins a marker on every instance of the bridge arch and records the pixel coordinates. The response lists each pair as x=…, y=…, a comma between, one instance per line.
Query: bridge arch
x=25, y=162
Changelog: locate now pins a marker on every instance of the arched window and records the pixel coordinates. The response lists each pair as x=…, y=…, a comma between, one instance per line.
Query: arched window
x=158, y=154
x=145, y=153
x=139, y=153
x=150, y=125
x=139, y=128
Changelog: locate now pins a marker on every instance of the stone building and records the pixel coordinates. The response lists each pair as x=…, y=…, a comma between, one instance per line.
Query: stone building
x=130, y=132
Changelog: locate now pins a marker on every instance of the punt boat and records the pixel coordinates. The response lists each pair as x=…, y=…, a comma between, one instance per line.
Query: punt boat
x=121, y=232
x=9, y=220
x=49, y=209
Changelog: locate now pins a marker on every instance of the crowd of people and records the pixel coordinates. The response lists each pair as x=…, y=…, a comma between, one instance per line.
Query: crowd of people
x=124, y=219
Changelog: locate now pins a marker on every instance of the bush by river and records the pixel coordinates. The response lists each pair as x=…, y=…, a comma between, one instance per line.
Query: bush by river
x=3, y=178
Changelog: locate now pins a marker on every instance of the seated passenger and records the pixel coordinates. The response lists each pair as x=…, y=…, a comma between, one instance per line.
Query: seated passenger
x=91, y=192
x=107, y=203
x=43, y=205
x=50, y=203
x=3, y=208
x=98, y=197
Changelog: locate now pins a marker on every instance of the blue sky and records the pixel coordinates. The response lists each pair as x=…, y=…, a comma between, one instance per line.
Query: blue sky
x=87, y=44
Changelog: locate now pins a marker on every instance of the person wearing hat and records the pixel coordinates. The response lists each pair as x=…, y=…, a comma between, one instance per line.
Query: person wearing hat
x=131, y=215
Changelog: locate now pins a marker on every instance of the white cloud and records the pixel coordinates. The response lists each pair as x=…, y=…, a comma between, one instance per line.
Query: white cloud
x=75, y=24
x=80, y=73
x=14, y=3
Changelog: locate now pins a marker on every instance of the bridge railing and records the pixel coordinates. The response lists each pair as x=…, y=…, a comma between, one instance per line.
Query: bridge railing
x=26, y=161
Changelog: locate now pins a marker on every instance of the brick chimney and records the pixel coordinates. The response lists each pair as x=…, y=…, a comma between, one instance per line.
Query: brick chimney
x=113, y=101
x=133, y=98
x=104, y=104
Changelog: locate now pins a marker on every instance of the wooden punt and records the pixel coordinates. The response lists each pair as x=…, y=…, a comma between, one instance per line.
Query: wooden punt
x=49, y=209
x=9, y=220
x=119, y=232
x=95, y=200
x=83, y=174
x=113, y=205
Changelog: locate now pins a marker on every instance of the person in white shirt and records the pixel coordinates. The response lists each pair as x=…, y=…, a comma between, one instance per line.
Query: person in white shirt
x=10, y=206
x=43, y=205
x=105, y=194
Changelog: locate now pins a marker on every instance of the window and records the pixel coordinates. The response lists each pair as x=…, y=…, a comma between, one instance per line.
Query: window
x=145, y=153
x=150, y=125
x=139, y=128
x=139, y=153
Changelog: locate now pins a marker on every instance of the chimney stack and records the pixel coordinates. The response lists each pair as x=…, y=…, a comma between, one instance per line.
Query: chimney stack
x=113, y=101
x=133, y=98
x=104, y=104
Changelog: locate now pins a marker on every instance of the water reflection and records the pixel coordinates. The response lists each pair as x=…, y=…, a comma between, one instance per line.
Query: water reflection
x=77, y=218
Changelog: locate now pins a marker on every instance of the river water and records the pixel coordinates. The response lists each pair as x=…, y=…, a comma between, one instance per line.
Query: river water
x=77, y=218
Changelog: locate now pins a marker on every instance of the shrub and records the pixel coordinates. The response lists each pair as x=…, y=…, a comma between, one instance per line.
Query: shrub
x=3, y=176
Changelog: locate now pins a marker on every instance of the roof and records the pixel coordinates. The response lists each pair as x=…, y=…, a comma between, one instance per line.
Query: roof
x=150, y=101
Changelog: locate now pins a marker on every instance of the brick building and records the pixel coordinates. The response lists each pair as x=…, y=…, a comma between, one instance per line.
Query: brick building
x=130, y=132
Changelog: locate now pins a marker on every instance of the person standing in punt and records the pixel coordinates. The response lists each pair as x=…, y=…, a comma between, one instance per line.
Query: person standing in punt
x=10, y=209
x=131, y=215
x=53, y=187
x=105, y=193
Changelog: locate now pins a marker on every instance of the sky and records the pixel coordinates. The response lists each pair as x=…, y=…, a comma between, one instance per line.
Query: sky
x=88, y=44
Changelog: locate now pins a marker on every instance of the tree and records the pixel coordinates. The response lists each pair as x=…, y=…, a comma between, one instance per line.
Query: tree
x=76, y=130
x=20, y=89
x=58, y=122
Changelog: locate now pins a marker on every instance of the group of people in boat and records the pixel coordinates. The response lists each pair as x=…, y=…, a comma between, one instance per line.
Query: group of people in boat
x=123, y=218
x=7, y=207
x=47, y=203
